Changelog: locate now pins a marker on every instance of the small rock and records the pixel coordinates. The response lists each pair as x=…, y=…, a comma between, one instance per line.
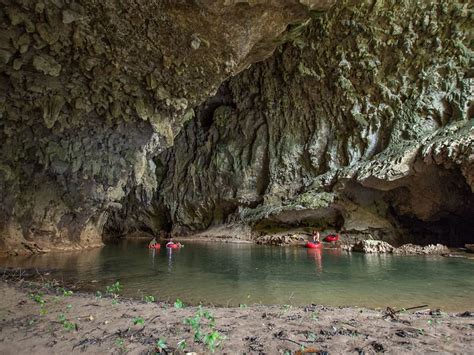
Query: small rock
x=378, y=347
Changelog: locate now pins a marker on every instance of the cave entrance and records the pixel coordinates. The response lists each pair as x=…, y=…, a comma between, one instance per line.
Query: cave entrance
x=436, y=206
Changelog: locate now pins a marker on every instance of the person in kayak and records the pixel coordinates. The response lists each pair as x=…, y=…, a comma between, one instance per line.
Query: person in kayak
x=152, y=243
x=170, y=243
x=316, y=236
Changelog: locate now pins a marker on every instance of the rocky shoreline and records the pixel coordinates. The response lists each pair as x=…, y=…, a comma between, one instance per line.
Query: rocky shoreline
x=349, y=244
x=47, y=318
x=298, y=238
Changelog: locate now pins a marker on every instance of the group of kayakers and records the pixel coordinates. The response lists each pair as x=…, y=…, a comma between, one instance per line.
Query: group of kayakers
x=315, y=241
x=170, y=244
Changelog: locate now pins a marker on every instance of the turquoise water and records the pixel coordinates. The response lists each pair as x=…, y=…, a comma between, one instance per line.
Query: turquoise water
x=233, y=274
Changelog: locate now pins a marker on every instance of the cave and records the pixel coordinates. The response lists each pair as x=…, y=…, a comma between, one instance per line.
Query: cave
x=236, y=176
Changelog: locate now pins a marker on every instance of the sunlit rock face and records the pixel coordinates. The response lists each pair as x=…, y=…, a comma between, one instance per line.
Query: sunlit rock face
x=363, y=123
x=91, y=91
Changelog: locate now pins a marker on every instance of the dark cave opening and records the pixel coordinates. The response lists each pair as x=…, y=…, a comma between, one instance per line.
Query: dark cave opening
x=437, y=206
x=452, y=230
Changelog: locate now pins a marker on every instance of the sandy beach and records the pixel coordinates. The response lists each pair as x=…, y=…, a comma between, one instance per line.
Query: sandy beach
x=45, y=318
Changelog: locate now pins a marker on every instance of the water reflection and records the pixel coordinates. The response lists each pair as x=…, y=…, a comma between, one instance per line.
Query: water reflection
x=243, y=273
x=169, y=253
x=316, y=255
x=153, y=252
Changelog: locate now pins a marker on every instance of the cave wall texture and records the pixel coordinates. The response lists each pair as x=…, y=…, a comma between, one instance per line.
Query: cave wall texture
x=362, y=119
x=92, y=90
x=362, y=122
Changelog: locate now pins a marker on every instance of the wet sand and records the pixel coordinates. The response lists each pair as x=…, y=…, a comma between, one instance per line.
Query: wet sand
x=85, y=323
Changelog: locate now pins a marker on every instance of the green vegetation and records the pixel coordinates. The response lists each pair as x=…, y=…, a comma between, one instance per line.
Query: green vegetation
x=149, y=299
x=65, y=292
x=38, y=298
x=161, y=345
x=67, y=324
x=138, y=320
x=120, y=343
x=114, y=290
x=213, y=340
x=182, y=345
x=203, y=325
x=178, y=303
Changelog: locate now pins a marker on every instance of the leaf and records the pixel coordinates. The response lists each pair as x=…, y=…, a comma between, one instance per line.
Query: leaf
x=178, y=303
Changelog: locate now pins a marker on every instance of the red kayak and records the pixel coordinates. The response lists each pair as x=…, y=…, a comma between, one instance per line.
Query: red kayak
x=173, y=246
x=332, y=238
x=154, y=246
x=313, y=245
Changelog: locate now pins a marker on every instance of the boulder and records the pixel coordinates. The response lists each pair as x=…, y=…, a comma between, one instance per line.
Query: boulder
x=432, y=249
x=373, y=246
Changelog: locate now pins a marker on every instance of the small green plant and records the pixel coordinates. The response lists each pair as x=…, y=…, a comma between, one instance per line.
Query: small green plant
x=149, y=299
x=195, y=324
x=120, y=343
x=161, y=345
x=178, y=303
x=242, y=305
x=286, y=307
x=98, y=295
x=67, y=324
x=65, y=292
x=114, y=289
x=38, y=298
x=315, y=316
x=213, y=340
x=139, y=321
x=182, y=345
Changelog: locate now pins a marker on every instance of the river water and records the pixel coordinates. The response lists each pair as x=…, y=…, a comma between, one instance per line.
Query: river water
x=233, y=274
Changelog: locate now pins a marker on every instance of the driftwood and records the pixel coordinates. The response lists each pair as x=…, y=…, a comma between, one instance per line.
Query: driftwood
x=392, y=313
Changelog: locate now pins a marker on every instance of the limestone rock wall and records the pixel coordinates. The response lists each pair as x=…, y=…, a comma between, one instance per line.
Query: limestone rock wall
x=363, y=122
x=92, y=90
